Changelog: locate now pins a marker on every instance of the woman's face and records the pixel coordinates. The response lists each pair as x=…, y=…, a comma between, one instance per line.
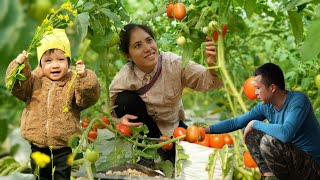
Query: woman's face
x=143, y=50
x=54, y=64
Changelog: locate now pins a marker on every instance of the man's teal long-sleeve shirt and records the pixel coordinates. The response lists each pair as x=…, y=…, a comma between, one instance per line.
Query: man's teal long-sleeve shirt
x=294, y=123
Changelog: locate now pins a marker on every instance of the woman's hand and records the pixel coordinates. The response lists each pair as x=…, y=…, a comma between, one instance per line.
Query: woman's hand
x=21, y=58
x=81, y=69
x=248, y=129
x=126, y=120
x=211, y=53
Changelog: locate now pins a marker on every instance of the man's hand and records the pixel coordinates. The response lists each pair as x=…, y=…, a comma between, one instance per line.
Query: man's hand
x=248, y=129
x=21, y=58
x=81, y=69
x=126, y=120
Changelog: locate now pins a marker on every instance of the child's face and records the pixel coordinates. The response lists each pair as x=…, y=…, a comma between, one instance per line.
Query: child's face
x=54, y=64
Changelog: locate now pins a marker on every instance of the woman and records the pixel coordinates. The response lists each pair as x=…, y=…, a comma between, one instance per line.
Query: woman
x=148, y=89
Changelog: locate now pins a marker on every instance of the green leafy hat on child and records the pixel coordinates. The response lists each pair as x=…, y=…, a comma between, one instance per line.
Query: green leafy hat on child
x=56, y=40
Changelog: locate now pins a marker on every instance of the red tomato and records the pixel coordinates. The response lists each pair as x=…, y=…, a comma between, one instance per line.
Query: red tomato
x=215, y=34
x=167, y=146
x=179, y=11
x=179, y=131
x=249, y=89
x=192, y=135
x=124, y=129
x=104, y=123
x=85, y=122
x=216, y=141
x=202, y=133
x=205, y=142
x=228, y=139
x=169, y=10
x=248, y=160
x=224, y=30
x=92, y=135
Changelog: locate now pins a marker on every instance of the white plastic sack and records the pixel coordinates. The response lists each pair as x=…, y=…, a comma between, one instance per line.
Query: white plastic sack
x=194, y=168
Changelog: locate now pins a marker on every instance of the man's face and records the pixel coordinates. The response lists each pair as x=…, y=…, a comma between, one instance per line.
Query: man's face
x=264, y=94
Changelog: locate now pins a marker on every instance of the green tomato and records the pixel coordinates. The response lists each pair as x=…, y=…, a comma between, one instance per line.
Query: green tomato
x=212, y=25
x=92, y=155
x=205, y=30
x=317, y=81
x=115, y=39
x=181, y=40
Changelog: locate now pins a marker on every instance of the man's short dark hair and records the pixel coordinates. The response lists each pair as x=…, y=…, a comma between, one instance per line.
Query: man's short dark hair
x=271, y=74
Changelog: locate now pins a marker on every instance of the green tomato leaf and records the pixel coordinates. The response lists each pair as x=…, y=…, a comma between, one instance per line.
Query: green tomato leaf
x=297, y=25
x=311, y=47
x=112, y=16
x=167, y=168
x=82, y=21
x=249, y=7
x=3, y=129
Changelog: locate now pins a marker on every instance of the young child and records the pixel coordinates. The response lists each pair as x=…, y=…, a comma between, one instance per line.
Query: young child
x=46, y=94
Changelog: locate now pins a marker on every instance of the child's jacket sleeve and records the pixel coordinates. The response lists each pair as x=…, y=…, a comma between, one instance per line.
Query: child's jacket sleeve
x=87, y=92
x=21, y=89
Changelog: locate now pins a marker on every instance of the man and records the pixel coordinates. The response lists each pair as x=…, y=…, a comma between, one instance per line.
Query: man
x=287, y=146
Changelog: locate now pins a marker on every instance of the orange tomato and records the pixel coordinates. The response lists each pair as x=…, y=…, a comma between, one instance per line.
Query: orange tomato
x=192, y=135
x=249, y=89
x=248, y=160
x=202, y=133
x=169, y=10
x=216, y=141
x=179, y=11
x=227, y=139
x=179, y=131
x=205, y=142
x=167, y=146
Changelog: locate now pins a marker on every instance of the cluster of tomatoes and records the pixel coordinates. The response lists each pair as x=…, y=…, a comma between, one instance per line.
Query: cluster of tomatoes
x=195, y=134
x=177, y=11
x=102, y=124
x=93, y=132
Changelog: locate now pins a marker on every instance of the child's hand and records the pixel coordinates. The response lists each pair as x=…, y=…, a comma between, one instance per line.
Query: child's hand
x=81, y=69
x=21, y=58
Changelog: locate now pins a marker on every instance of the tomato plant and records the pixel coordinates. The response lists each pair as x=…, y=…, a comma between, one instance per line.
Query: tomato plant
x=169, y=10
x=92, y=155
x=216, y=141
x=249, y=89
x=248, y=160
x=167, y=146
x=192, y=134
x=179, y=131
x=228, y=139
x=124, y=129
x=179, y=11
